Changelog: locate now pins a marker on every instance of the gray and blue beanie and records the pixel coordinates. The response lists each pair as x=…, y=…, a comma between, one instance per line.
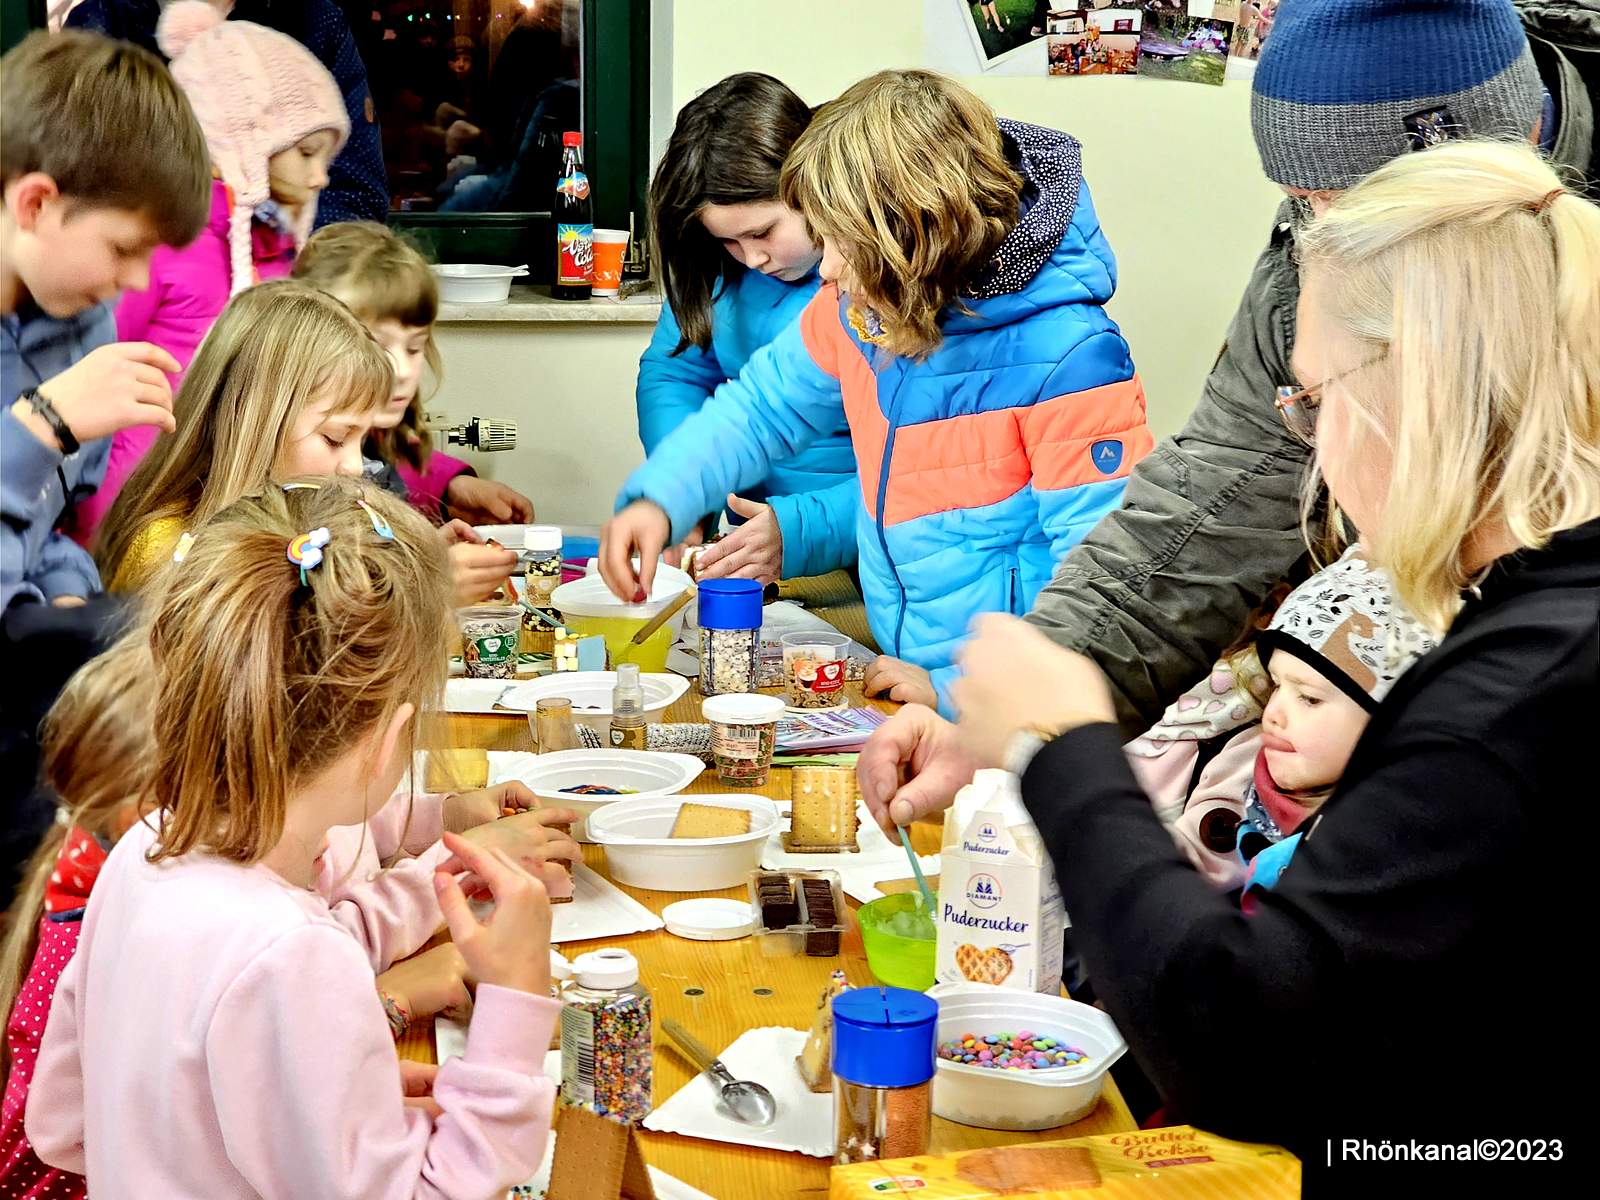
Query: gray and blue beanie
x=1344, y=86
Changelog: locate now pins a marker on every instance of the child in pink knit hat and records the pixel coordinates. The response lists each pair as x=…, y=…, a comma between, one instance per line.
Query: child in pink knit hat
x=273, y=120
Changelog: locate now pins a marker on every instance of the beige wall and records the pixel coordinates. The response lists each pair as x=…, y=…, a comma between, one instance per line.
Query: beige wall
x=1171, y=165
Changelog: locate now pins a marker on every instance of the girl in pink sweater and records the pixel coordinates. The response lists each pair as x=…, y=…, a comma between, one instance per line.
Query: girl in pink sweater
x=273, y=119
x=212, y=983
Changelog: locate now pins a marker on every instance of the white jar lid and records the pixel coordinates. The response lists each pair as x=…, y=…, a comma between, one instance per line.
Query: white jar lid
x=606, y=969
x=542, y=537
x=743, y=708
x=709, y=919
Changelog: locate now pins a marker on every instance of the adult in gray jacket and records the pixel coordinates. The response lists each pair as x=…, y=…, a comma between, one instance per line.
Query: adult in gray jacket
x=1212, y=518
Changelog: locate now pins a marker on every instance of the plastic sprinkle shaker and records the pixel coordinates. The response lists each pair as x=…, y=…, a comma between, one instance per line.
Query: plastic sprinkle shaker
x=542, y=572
x=730, y=636
x=883, y=1065
x=607, y=1037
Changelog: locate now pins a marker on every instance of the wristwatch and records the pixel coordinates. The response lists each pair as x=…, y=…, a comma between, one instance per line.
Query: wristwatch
x=40, y=404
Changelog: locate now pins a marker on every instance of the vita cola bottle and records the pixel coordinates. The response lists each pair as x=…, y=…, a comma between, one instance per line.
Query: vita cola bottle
x=573, y=217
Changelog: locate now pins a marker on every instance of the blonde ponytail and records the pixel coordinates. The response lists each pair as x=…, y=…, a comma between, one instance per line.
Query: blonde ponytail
x=264, y=679
x=1476, y=275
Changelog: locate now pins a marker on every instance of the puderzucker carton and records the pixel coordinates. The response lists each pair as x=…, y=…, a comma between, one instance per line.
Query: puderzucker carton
x=1000, y=915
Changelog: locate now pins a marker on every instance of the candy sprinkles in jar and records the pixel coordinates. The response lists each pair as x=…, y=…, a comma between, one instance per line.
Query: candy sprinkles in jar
x=490, y=637
x=883, y=1065
x=730, y=636
x=607, y=1038
x=542, y=546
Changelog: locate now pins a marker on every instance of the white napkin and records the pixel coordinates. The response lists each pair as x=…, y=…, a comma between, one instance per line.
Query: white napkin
x=767, y=1056
x=474, y=695
x=860, y=873
x=598, y=910
x=450, y=1039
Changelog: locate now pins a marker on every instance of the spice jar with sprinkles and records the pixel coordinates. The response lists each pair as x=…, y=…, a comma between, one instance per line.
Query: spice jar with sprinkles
x=607, y=1038
x=490, y=636
x=541, y=563
x=883, y=1064
x=744, y=734
x=730, y=636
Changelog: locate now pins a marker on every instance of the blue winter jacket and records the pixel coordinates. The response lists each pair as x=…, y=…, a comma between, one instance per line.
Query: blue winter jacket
x=814, y=493
x=38, y=484
x=981, y=464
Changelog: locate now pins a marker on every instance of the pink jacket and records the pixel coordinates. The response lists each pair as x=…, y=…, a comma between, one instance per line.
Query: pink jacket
x=426, y=489
x=188, y=290
x=234, y=1006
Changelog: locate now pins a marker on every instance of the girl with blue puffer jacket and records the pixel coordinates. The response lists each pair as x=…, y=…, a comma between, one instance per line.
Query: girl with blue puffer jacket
x=992, y=404
x=738, y=267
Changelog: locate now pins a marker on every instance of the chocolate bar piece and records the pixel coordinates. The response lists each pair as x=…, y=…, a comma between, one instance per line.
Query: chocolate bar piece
x=820, y=911
x=779, y=907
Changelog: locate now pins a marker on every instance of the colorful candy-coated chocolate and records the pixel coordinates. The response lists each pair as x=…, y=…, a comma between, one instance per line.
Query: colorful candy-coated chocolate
x=1024, y=1051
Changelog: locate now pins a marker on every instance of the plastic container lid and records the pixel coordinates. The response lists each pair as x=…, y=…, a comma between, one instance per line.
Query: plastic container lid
x=709, y=919
x=743, y=708
x=884, y=1037
x=730, y=604
x=606, y=969
x=543, y=538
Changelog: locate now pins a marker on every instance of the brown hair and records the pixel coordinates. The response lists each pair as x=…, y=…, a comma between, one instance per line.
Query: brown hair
x=908, y=174
x=275, y=348
x=381, y=277
x=262, y=681
x=107, y=122
x=97, y=753
x=727, y=147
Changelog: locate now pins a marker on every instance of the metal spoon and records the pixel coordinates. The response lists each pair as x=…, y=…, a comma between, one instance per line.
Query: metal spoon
x=741, y=1099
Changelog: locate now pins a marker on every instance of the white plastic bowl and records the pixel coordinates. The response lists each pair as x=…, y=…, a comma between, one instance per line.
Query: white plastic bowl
x=999, y=1099
x=475, y=283
x=649, y=773
x=590, y=693
x=641, y=854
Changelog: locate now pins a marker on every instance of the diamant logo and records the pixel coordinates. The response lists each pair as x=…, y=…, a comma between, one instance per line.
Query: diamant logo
x=983, y=891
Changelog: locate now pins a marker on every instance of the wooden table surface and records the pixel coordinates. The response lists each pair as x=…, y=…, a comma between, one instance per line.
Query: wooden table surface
x=721, y=989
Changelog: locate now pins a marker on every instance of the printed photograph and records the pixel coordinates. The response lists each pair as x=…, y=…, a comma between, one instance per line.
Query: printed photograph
x=999, y=28
x=1095, y=42
x=1174, y=45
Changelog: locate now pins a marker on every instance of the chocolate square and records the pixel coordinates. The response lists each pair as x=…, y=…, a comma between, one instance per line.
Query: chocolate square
x=779, y=907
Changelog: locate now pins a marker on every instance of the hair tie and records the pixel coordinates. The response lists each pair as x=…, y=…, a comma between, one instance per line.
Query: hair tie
x=379, y=525
x=305, y=551
x=1548, y=199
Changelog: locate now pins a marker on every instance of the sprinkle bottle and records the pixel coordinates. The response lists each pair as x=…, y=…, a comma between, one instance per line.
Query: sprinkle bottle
x=627, y=710
x=883, y=1065
x=542, y=563
x=730, y=636
x=607, y=1038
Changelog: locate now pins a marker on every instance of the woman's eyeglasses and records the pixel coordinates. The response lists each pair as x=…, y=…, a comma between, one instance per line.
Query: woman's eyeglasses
x=1299, y=406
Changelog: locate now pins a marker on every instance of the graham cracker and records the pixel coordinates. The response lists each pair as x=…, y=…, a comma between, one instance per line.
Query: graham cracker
x=822, y=809
x=709, y=821
x=456, y=771
x=597, y=1159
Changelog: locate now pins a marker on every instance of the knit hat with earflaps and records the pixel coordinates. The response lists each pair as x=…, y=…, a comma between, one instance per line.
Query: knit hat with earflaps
x=255, y=92
x=1344, y=86
x=1347, y=624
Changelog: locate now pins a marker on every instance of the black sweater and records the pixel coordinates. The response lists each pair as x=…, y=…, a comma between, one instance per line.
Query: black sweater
x=1417, y=971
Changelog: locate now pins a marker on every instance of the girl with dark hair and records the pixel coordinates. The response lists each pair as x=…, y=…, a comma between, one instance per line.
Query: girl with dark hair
x=737, y=266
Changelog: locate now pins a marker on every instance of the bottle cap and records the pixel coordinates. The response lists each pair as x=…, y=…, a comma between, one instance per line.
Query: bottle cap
x=606, y=969
x=884, y=1036
x=571, y=138
x=730, y=604
x=542, y=537
x=743, y=708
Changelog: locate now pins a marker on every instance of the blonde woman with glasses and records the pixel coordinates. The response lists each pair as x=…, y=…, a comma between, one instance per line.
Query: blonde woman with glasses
x=1449, y=360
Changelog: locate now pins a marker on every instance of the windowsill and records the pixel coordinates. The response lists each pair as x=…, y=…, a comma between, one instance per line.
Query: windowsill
x=528, y=303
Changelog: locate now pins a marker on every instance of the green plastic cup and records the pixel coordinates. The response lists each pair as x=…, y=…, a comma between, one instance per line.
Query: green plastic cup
x=896, y=960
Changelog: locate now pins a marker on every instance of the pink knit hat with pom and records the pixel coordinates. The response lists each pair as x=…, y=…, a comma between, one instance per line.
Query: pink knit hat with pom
x=255, y=92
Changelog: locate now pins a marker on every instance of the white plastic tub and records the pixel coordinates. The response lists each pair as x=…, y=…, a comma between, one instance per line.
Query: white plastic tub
x=1000, y=1099
x=648, y=773
x=641, y=854
x=475, y=283
x=590, y=693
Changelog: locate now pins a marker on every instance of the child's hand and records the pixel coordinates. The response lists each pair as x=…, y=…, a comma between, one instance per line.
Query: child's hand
x=527, y=840
x=468, y=810
x=899, y=680
x=429, y=983
x=511, y=949
x=479, y=571
x=455, y=532
x=112, y=388
x=485, y=502
x=753, y=550
x=640, y=529
x=416, y=1085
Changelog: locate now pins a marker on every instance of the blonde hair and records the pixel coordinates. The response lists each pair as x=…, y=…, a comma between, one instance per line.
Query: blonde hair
x=1477, y=275
x=262, y=681
x=907, y=173
x=275, y=348
x=97, y=751
x=381, y=277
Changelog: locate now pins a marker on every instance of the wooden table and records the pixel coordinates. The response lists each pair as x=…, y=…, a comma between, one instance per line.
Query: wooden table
x=721, y=989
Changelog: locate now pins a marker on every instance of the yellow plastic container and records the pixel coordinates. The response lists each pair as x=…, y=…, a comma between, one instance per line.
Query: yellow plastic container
x=651, y=654
x=587, y=608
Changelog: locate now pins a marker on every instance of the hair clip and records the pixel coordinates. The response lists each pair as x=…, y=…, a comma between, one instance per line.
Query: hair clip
x=305, y=550
x=301, y=487
x=379, y=525
x=181, y=550
x=1548, y=199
